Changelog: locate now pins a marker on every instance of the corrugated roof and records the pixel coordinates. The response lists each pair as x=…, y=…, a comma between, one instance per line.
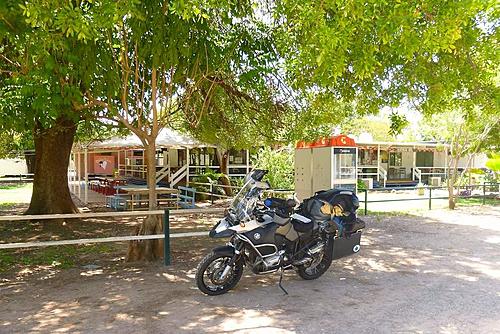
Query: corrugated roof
x=166, y=138
x=411, y=144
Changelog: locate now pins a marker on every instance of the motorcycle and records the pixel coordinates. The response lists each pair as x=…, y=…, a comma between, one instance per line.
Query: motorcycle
x=279, y=234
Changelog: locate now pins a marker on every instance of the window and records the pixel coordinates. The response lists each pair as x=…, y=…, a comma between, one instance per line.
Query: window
x=395, y=159
x=345, y=163
x=367, y=157
x=202, y=156
x=237, y=157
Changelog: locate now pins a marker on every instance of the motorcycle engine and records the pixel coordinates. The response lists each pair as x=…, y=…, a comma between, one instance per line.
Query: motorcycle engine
x=263, y=264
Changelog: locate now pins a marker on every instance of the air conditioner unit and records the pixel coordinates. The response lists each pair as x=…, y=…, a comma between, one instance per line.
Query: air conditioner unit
x=435, y=181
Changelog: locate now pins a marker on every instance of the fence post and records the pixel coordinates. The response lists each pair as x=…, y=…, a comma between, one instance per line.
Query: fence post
x=166, y=244
x=484, y=193
x=430, y=198
x=366, y=202
x=211, y=192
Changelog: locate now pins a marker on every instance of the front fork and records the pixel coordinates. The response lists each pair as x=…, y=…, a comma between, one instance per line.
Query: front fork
x=238, y=248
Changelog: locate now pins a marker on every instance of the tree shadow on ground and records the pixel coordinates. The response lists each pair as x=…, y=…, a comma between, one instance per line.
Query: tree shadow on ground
x=414, y=274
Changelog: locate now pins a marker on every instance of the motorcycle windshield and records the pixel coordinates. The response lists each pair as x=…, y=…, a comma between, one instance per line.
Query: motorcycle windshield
x=245, y=201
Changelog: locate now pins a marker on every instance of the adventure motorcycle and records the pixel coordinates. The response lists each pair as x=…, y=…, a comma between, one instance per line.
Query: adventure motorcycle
x=275, y=235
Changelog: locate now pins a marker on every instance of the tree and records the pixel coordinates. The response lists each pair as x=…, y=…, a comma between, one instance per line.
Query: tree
x=279, y=164
x=49, y=56
x=257, y=117
x=379, y=129
x=434, y=55
x=493, y=162
x=175, y=58
x=467, y=134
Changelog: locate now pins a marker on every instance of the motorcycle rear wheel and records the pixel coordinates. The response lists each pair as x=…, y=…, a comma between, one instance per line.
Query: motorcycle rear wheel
x=209, y=271
x=315, y=270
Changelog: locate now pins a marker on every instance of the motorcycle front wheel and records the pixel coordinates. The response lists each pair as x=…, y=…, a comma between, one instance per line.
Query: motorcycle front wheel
x=209, y=272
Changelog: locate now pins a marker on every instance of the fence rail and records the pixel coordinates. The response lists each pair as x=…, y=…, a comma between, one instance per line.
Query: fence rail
x=166, y=228
x=429, y=198
x=179, y=212
x=212, y=186
x=492, y=188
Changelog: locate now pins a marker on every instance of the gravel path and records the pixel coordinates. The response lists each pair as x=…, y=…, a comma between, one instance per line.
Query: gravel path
x=436, y=273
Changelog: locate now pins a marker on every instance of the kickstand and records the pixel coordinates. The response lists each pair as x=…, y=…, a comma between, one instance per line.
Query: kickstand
x=279, y=284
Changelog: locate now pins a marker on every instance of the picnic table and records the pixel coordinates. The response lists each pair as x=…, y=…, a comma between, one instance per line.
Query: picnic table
x=137, y=193
x=107, y=185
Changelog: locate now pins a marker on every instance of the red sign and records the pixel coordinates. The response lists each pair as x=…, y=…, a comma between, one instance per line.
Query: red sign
x=302, y=144
x=341, y=140
x=322, y=142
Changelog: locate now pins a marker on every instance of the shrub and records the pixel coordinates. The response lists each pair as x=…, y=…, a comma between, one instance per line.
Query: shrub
x=208, y=176
x=280, y=166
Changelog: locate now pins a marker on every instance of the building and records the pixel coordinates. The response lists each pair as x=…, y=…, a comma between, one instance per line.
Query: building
x=178, y=158
x=338, y=162
x=408, y=163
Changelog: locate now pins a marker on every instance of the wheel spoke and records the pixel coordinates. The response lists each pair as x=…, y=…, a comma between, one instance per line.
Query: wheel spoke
x=214, y=269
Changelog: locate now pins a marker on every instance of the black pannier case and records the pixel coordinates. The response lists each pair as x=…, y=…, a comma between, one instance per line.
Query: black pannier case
x=347, y=245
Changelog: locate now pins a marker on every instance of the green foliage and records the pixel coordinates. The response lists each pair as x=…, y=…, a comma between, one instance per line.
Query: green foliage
x=6, y=260
x=208, y=176
x=469, y=132
x=241, y=73
x=493, y=162
x=50, y=58
x=279, y=164
x=478, y=201
x=398, y=123
x=361, y=186
x=369, y=54
x=237, y=181
x=11, y=186
x=358, y=125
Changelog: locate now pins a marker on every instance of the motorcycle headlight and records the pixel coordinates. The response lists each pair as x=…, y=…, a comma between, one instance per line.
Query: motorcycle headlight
x=223, y=225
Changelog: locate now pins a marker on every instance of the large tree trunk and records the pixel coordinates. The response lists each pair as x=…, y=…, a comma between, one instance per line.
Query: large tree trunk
x=148, y=250
x=50, y=185
x=223, y=157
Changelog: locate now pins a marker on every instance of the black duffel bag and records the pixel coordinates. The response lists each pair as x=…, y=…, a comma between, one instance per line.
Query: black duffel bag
x=328, y=203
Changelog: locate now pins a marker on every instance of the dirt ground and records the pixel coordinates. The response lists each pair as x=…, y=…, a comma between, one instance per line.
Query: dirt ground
x=434, y=273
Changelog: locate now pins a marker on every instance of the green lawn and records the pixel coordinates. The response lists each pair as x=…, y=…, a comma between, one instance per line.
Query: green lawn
x=12, y=186
x=62, y=257
x=478, y=201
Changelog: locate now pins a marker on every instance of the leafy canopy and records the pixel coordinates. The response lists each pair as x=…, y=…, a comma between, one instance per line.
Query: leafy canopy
x=438, y=55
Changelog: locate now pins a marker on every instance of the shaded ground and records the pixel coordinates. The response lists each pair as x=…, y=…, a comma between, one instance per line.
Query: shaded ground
x=437, y=273
x=27, y=261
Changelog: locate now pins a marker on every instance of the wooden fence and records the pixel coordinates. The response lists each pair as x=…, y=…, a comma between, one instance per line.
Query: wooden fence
x=166, y=228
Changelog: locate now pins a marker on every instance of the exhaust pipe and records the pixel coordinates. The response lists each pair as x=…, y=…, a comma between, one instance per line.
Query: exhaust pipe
x=316, y=249
x=306, y=260
x=311, y=251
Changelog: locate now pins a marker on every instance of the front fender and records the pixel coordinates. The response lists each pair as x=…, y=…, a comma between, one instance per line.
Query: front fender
x=224, y=250
x=224, y=230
